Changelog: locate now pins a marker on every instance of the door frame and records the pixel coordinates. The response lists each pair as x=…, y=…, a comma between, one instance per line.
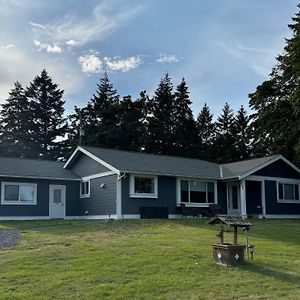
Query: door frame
x=51, y=187
x=236, y=212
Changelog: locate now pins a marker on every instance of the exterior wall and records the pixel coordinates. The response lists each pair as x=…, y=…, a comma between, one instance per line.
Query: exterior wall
x=275, y=208
x=278, y=169
x=253, y=197
x=222, y=196
x=166, y=197
x=102, y=201
x=85, y=166
x=41, y=209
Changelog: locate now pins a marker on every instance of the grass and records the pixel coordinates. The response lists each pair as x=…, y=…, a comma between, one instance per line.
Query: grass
x=153, y=259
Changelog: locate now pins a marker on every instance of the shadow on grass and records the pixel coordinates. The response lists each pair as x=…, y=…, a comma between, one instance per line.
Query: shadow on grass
x=268, y=271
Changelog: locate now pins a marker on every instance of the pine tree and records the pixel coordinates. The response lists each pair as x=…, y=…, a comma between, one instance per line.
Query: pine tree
x=206, y=133
x=242, y=135
x=102, y=115
x=224, y=143
x=48, y=125
x=277, y=105
x=160, y=120
x=184, y=126
x=14, y=124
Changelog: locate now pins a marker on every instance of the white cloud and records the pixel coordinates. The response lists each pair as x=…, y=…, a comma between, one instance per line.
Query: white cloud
x=106, y=17
x=124, y=65
x=90, y=63
x=47, y=47
x=163, y=58
x=6, y=47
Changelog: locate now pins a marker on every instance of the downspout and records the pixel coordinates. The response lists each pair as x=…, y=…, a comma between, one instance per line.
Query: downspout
x=119, y=195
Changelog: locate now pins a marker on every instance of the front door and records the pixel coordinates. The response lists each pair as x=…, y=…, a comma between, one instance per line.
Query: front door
x=234, y=199
x=57, y=200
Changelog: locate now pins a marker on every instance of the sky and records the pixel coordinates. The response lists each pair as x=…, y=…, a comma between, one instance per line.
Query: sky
x=223, y=48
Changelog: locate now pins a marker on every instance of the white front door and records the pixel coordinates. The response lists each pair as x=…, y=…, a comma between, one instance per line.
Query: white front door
x=234, y=199
x=57, y=199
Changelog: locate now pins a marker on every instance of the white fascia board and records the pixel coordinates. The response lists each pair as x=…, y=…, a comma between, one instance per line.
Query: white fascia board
x=38, y=177
x=92, y=156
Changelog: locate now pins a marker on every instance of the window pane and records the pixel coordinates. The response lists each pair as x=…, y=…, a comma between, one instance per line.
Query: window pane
x=27, y=193
x=288, y=191
x=57, y=196
x=197, y=192
x=211, y=192
x=280, y=190
x=82, y=188
x=143, y=185
x=296, y=192
x=184, y=190
x=11, y=193
x=235, y=203
x=87, y=187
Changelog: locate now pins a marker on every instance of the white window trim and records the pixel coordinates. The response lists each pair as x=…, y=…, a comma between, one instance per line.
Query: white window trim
x=193, y=204
x=89, y=193
x=287, y=182
x=7, y=202
x=132, y=193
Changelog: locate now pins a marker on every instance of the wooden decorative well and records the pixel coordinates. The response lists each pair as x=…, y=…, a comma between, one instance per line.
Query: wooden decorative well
x=229, y=254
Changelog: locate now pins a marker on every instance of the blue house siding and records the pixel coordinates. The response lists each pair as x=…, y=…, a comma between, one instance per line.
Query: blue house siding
x=86, y=166
x=102, y=201
x=222, y=196
x=166, y=197
x=253, y=197
x=275, y=208
x=41, y=209
x=278, y=169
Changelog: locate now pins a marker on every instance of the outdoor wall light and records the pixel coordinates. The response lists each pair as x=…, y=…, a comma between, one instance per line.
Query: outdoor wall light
x=102, y=186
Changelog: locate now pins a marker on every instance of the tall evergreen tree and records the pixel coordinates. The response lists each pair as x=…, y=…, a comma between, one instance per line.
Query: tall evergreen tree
x=206, y=133
x=276, y=102
x=160, y=119
x=14, y=124
x=242, y=135
x=184, y=126
x=48, y=125
x=102, y=116
x=224, y=144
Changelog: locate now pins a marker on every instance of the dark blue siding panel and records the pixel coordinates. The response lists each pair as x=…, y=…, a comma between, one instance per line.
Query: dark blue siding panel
x=222, y=196
x=85, y=166
x=278, y=169
x=253, y=197
x=102, y=201
x=166, y=197
x=273, y=207
x=41, y=209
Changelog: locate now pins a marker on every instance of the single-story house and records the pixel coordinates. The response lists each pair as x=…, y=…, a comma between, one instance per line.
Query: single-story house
x=97, y=183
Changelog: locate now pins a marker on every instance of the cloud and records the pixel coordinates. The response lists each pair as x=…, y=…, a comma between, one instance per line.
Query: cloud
x=90, y=63
x=47, y=47
x=163, y=58
x=124, y=65
x=105, y=18
x=6, y=47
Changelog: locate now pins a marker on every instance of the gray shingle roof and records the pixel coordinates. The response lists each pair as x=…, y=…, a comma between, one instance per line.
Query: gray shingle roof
x=127, y=161
x=236, y=169
x=34, y=168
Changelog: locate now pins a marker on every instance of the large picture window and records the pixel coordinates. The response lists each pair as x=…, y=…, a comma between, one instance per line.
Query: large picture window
x=288, y=192
x=196, y=191
x=18, y=193
x=143, y=186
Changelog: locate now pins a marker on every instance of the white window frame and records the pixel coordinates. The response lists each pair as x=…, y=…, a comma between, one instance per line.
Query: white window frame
x=7, y=202
x=87, y=195
x=132, y=192
x=283, y=182
x=194, y=204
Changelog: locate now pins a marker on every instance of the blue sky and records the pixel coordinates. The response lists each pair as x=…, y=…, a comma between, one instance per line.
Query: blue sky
x=224, y=48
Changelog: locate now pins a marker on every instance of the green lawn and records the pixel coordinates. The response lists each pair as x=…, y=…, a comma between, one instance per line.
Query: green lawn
x=153, y=259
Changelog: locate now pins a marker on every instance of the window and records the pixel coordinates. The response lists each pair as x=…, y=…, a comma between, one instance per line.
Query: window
x=196, y=191
x=85, y=189
x=18, y=193
x=288, y=192
x=143, y=186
